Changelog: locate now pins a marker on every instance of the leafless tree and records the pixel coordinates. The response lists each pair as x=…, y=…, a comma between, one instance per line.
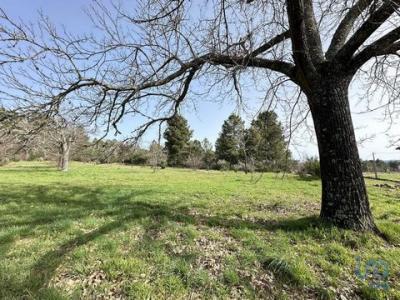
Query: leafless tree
x=194, y=160
x=19, y=136
x=62, y=134
x=157, y=157
x=24, y=135
x=142, y=62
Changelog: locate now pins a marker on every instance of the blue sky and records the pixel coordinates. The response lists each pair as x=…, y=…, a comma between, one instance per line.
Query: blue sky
x=208, y=117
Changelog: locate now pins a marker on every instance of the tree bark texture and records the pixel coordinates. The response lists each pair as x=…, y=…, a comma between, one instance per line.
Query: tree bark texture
x=344, y=195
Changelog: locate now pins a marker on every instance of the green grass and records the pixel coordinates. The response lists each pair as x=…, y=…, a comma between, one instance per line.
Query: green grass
x=118, y=231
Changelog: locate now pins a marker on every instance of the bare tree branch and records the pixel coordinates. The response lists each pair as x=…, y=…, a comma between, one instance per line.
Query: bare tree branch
x=345, y=27
x=271, y=43
x=375, y=20
x=386, y=45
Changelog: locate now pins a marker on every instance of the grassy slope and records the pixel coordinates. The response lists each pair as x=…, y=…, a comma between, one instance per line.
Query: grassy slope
x=126, y=231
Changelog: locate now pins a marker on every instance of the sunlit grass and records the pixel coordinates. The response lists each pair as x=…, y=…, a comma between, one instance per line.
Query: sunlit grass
x=118, y=231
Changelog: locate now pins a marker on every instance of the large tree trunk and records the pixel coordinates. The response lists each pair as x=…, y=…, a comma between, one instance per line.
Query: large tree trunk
x=344, y=195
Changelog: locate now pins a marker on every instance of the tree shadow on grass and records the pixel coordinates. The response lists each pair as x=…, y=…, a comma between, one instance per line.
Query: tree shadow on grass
x=28, y=169
x=47, y=206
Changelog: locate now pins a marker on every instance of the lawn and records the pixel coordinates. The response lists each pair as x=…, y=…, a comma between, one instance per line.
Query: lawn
x=125, y=232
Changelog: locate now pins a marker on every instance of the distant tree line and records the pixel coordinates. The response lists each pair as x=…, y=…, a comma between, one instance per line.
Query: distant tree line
x=260, y=147
x=381, y=165
x=311, y=168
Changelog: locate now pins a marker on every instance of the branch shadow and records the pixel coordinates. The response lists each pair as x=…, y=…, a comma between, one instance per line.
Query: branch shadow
x=45, y=207
x=29, y=169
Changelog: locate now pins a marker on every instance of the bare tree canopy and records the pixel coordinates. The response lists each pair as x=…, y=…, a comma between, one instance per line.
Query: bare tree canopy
x=143, y=61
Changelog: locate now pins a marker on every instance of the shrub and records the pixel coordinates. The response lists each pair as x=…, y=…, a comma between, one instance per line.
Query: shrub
x=309, y=168
x=4, y=161
x=241, y=166
x=222, y=165
x=139, y=157
x=163, y=164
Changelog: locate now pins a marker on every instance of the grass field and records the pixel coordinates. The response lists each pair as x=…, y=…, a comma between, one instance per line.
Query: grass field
x=126, y=232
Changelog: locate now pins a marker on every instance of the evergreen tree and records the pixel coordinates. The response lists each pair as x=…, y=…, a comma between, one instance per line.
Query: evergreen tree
x=177, y=136
x=229, y=145
x=265, y=142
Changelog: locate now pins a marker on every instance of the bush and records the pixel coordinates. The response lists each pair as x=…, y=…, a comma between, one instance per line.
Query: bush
x=310, y=168
x=163, y=164
x=139, y=157
x=4, y=161
x=222, y=165
x=241, y=166
x=194, y=162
